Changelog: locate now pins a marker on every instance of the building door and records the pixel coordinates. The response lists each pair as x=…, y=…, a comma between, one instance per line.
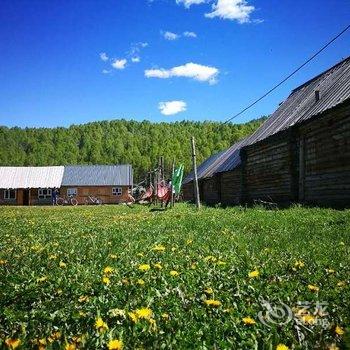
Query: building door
x=26, y=196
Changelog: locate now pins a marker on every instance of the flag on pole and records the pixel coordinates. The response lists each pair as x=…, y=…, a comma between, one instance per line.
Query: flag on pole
x=177, y=179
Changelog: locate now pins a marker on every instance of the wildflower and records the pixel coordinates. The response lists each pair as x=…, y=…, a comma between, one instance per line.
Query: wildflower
x=145, y=313
x=141, y=282
x=248, y=321
x=133, y=316
x=3, y=262
x=173, y=249
x=70, y=346
x=210, y=258
x=253, y=274
x=299, y=264
x=13, y=343
x=144, y=267
x=107, y=270
x=115, y=344
x=313, y=288
x=53, y=257
x=117, y=313
x=158, y=266
x=106, y=280
x=83, y=298
x=208, y=291
x=330, y=271
x=189, y=241
x=159, y=248
x=212, y=302
x=41, y=279
x=100, y=324
x=339, y=330
x=282, y=347
x=165, y=316
x=309, y=319
x=62, y=264
x=174, y=273
x=341, y=284
x=113, y=256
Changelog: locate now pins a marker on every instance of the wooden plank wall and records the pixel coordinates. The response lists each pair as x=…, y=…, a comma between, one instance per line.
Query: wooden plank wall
x=230, y=187
x=210, y=190
x=325, y=158
x=267, y=170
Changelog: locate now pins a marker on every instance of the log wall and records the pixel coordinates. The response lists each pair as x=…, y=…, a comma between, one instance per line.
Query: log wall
x=230, y=187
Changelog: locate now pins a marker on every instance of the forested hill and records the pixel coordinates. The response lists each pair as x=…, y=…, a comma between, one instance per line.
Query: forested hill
x=118, y=141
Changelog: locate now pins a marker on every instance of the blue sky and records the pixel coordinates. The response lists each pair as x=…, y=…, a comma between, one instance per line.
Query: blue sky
x=51, y=72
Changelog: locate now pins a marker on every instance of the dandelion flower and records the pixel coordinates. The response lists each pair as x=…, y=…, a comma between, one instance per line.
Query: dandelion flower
x=141, y=282
x=62, y=264
x=174, y=273
x=144, y=267
x=248, y=321
x=83, y=298
x=208, y=291
x=70, y=346
x=341, y=284
x=159, y=248
x=313, y=288
x=106, y=280
x=13, y=343
x=113, y=256
x=299, y=264
x=115, y=344
x=330, y=271
x=282, y=347
x=308, y=319
x=100, y=325
x=3, y=262
x=165, y=316
x=107, y=270
x=253, y=274
x=144, y=313
x=339, y=330
x=133, y=316
x=212, y=302
x=158, y=266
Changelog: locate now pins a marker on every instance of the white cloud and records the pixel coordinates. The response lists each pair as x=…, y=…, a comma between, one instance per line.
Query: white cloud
x=188, y=3
x=189, y=70
x=234, y=10
x=190, y=34
x=104, y=56
x=170, y=35
x=119, y=64
x=135, y=59
x=105, y=71
x=172, y=107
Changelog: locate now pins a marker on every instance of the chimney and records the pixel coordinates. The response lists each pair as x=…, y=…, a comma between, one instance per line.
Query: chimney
x=317, y=95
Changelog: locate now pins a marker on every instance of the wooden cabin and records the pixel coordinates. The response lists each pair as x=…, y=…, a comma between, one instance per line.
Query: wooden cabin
x=300, y=154
x=34, y=185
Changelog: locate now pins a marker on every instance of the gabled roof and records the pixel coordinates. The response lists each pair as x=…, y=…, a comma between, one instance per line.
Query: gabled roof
x=334, y=88
x=31, y=177
x=97, y=175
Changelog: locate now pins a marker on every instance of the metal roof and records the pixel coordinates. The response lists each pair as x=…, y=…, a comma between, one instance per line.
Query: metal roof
x=98, y=175
x=31, y=177
x=334, y=88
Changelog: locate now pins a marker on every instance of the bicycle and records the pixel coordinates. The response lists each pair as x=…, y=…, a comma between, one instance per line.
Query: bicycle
x=67, y=201
x=93, y=200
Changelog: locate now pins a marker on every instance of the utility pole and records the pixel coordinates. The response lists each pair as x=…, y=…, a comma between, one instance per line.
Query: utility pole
x=194, y=164
x=172, y=185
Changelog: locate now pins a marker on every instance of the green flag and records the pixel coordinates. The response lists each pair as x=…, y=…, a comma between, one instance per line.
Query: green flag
x=177, y=179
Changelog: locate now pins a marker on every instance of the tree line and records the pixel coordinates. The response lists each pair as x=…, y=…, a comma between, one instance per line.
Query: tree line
x=119, y=142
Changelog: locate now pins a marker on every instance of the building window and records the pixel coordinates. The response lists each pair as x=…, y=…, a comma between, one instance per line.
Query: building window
x=9, y=194
x=117, y=191
x=44, y=193
x=72, y=192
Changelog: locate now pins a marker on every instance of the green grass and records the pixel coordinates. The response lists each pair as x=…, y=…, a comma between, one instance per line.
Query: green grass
x=214, y=248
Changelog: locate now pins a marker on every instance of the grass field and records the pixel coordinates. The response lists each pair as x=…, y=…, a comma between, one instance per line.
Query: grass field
x=110, y=277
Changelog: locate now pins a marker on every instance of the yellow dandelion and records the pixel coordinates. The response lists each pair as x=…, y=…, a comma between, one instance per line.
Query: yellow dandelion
x=341, y=284
x=107, y=270
x=133, y=316
x=140, y=282
x=159, y=248
x=106, y=280
x=212, y=302
x=313, y=288
x=62, y=264
x=253, y=274
x=158, y=266
x=330, y=271
x=83, y=298
x=144, y=267
x=339, y=330
x=210, y=258
x=100, y=325
x=113, y=256
x=248, y=321
x=53, y=257
x=282, y=347
x=115, y=344
x=3, y=262
x=165, y=316
x=13, y=343
x=299, y=264
x=174, y=273
x=189, y=241
x=308, y=319
x=70, y=346
x=144, y=313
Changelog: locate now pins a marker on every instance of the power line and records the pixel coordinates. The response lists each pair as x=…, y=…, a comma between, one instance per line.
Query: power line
x=289, y=76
